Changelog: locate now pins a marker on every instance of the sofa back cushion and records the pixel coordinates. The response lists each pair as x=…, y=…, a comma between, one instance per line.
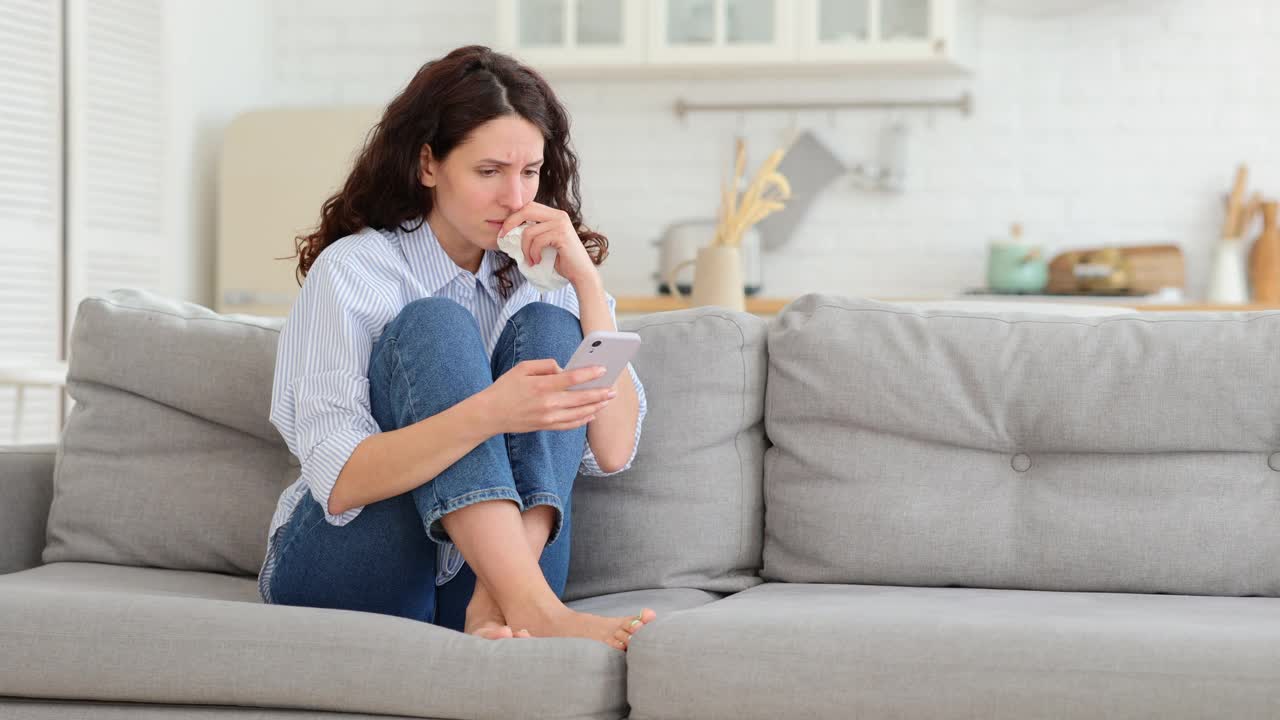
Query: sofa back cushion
x=167, y=458
x=689, y=512
x=1132, y=453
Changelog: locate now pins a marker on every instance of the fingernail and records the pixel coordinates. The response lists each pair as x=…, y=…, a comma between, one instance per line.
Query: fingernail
x=612, y=394
x=599, y=371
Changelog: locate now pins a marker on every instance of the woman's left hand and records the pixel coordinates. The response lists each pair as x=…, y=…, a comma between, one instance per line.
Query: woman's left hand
x=553, y=228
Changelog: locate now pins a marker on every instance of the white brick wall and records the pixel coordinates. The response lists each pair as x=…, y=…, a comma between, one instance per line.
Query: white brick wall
x=1121, y=124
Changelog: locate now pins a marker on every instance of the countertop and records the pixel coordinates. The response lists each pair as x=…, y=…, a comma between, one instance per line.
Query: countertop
x=772, y=305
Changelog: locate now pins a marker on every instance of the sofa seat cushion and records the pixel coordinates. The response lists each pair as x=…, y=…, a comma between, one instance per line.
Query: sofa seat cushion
x=113, y=633
x=24, y=709
x=845, y=651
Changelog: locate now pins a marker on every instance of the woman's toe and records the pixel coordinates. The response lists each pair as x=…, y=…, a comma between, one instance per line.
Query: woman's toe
x=494, y=632
x=646, y=616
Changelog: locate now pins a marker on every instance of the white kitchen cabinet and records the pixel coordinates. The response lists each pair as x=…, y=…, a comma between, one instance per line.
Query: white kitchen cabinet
x=692, y=32
x=567, y=33
x=877, y=31
x=580, y=38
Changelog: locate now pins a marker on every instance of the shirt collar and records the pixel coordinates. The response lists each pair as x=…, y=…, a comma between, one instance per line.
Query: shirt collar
x=433, y=266
x=435, y=269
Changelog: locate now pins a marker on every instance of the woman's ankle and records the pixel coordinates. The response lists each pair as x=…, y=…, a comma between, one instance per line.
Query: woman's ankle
x=537, y=612
x=483, y=605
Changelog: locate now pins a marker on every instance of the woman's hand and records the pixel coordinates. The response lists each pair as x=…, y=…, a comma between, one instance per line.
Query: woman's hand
x=534, y=395
x=553, y=228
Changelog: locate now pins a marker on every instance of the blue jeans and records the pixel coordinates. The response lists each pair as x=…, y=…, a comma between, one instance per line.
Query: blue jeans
x=429, y=358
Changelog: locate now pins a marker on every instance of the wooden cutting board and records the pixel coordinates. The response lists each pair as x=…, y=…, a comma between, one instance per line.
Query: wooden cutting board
x=1151, y=267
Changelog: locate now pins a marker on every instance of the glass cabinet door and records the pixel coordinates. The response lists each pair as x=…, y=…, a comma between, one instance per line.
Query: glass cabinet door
x=843, y=22
x=862, y=21
x=573, y=33
x=874, y=29
x=904, y=20
x=557, y=23
x=599, y=22
x=690, y=22
x=540, y=23
x=722, y=30
x=749, y=22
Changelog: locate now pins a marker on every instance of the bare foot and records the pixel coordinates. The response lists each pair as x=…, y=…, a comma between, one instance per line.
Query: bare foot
x=615, y=632
x=484, y=618
x=493, y=630
x=487, y=622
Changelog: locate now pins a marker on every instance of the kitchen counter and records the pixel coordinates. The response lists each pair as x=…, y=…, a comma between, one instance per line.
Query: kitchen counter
x=638, y=305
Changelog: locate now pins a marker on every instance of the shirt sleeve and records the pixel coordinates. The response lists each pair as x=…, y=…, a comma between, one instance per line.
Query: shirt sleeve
x=589, y=464
x=320, y=393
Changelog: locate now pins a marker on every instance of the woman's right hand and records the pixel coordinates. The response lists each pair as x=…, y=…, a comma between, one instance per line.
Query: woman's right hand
x=535, y=395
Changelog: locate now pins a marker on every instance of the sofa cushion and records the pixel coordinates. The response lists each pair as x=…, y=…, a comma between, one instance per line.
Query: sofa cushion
x=689, y=512
x=849, y=651
x=167, y=458
x=23, y=709
x=91, y=631
x=1133, y=453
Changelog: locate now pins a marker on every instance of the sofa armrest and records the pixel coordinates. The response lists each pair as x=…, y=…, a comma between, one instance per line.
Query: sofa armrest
x=26, y=492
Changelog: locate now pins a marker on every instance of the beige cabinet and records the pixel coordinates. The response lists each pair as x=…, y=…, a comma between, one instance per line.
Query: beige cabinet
x=276, y=169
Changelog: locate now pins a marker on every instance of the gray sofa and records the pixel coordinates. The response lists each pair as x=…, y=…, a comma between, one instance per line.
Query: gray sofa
x=854, y=510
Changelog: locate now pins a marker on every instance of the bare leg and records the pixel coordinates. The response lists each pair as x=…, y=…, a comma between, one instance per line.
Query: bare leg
x=484, y=617
x=492, y=538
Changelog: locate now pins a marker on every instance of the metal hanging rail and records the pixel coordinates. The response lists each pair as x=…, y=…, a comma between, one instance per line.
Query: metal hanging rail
x=964, y=104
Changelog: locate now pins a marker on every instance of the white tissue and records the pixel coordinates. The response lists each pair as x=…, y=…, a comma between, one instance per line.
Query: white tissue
x=543, y=275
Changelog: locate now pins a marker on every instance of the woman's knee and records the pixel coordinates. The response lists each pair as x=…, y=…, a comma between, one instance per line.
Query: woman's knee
x=433, y=318
x=430, y=339
x=545, y=331
x=542, y=313
x=432, y=324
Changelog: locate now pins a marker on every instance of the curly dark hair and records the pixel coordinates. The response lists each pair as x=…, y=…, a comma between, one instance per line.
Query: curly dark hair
x=447, y=99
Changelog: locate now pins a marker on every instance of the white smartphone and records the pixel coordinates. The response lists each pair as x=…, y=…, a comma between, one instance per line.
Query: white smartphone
x=613, y=350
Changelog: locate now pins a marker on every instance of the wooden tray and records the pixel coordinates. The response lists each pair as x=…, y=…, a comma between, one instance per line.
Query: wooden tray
x=1152, y=267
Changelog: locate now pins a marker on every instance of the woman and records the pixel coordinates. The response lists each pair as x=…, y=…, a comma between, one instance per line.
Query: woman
x=418, y=373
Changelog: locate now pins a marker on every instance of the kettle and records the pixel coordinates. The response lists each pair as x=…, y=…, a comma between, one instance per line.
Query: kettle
x=679, y=246
x=1015, y=266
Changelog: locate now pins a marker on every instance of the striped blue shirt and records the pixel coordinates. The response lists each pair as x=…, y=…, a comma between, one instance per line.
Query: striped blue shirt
x=320, y=396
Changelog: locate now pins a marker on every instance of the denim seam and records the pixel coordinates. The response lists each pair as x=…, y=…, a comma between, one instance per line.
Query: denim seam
x=498, y=492
x=515, y=355
x=552, y=500
x=395, y=352
x=264, y=580
x=301, y=532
